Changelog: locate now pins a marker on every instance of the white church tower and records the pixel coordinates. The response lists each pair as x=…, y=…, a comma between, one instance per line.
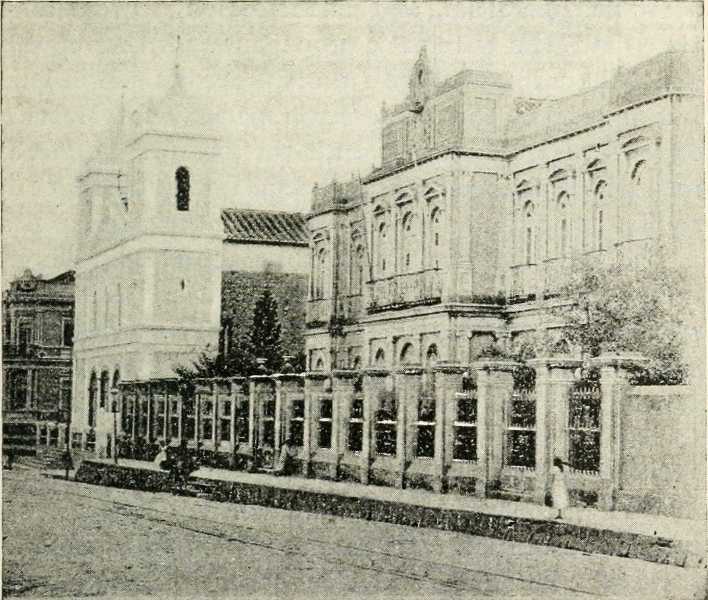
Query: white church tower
x=148, y=273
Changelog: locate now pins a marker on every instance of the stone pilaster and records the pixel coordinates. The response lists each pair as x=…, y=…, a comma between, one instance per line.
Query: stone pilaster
x=407, y=385
x=554, y=378
x=448, y=381
x=494, y=387
x=315, y=382
x=614, y=380
x=342, y=394
x=374, y=382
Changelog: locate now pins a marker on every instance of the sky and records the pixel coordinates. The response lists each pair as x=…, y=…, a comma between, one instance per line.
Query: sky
x=298, y=87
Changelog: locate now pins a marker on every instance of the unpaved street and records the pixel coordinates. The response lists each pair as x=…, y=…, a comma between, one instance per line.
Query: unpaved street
x=69, y=539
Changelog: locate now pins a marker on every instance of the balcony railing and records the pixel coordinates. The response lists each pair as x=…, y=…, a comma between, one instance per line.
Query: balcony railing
x=35, y=351
x=557, y=273
x=401, y=291
x=524, y=283
x=318, y=312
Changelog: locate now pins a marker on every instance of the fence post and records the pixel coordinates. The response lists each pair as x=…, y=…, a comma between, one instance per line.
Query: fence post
x=342, y=394
x=494, y=387
x=314, y=385
x=554, y=379
x=374, y=382
x=408, y=388
x=614, y=380
x=448, y=381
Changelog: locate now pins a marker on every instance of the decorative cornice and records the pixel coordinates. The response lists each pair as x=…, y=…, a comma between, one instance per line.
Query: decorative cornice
x=409, y=370
x=376, y=372
x=316, y=375
x=288, y=376
x=449, y=368
x=503, y=366
x=618, y=360
x=346, y=373
x=555, y=362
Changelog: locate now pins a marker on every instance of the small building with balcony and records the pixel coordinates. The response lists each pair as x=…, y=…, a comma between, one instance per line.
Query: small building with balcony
x=38, y=337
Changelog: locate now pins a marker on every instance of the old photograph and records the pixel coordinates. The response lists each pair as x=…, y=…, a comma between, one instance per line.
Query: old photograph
x=353, y=300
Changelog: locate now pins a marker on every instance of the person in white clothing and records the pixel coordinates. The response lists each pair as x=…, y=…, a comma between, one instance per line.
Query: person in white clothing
x=559, y=491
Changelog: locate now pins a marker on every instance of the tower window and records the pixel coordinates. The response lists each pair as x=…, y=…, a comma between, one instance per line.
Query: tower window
x=182, y=179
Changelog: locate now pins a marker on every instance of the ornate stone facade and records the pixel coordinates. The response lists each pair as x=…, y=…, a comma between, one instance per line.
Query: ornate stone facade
x=483, y=202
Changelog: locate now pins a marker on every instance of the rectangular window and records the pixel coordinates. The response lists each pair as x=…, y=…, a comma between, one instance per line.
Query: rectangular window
x=386, y=421
x=584, y=427
x=325, y=423
x=356, y=425
x=465, y=428
x=17, y=389
x=225, y=420
x=24, y=339
x=189, y=420
x=268, y=421
x=242, y=420
x=65, y=397
x=158, y=419
x=425, y=428
x=207, y=420
x=174, y=418
x=297, y=421
x=521, y=429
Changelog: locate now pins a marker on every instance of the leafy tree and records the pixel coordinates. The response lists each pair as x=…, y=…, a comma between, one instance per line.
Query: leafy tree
x=632, y=306
x=265, y=333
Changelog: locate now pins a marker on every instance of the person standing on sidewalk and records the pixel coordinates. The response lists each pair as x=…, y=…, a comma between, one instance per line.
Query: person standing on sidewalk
x=559, y=490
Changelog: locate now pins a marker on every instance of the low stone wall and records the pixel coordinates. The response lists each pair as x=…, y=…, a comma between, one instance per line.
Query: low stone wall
x=531, y=531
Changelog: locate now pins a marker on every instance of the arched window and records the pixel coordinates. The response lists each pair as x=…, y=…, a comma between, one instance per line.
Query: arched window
x=182, y=180
x=431, y=356
x=357, y=270
x=380, y=358
x=103, y=397
x=356, y=364
x=562, y=233
x=409, y=258
x=529, y=233
x=407, y=354
x=320, y=273
x=436, y=249
x=598, y=218
x=381, y=248
x=92, y=393
x=319, y=364
x=640, y=210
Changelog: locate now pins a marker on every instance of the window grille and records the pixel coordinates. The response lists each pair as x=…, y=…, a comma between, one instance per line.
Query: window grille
x=104, y=389
x=465, y=427
x=206, y=420
x=584, y=427
x=242, y=419
x=356, y=425
x=174, y=419
x=521, y=429
x=158, y=423
x=297, y=421
x=386, y=421
x=325, y=423
x=189, y=419
x=425, y=427
x=268, y=422
x=225, y=421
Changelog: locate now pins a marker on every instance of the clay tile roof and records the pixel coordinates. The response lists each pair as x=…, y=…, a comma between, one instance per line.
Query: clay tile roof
x=264, y=226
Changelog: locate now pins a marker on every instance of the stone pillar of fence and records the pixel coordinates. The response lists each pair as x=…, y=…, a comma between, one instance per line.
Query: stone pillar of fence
x=554, y=379
x=374, y=382
x=495, y=385
x=315, y=384
x=408, y=381
x=259, y=386
x=448, y=381
x=286, y=385
x=342, y=394
x=614, y=381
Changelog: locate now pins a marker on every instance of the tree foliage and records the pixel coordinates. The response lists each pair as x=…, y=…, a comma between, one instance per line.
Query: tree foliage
x=264, y=341
x=635, y=306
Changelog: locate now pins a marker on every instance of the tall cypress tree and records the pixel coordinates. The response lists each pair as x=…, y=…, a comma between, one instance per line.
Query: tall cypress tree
x=265, y=332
